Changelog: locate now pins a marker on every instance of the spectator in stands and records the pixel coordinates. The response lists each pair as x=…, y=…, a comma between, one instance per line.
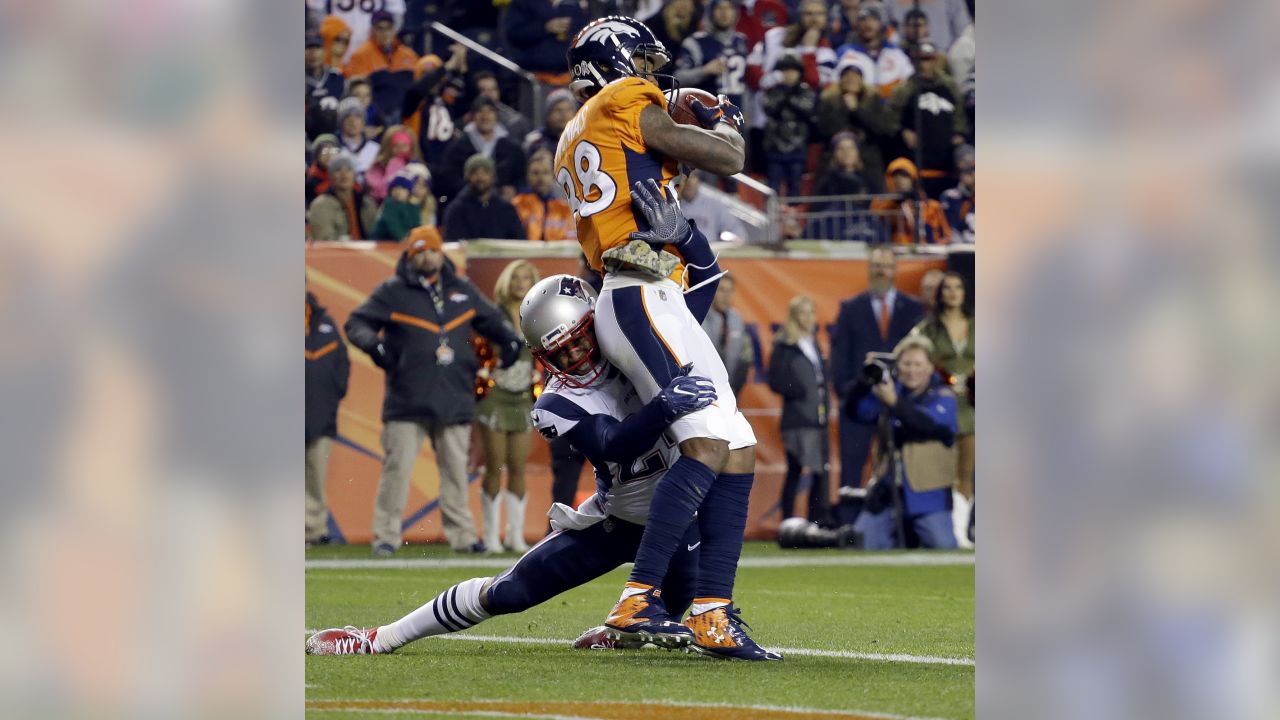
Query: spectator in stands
x=421, y=195
x=950, y=329
x=478, y=212
x=798, y=372
x=885, y=64
x=344, y=212
x=560, y=107
x=502, y=417
x=337, y=41
x=542, y=208
x=485, y=136
x=397, y=216
x=961, y=56
x=715, y=59
x=853, y=105
x=539, y=32
x=845, y=175
x=789, y=106
x=326, y=384
x=397, y=150
x=324, y=90
x=928, y=110
x=673, y=24
x=433, y=104
x=323, y=149
x=946, y=19
x=842, y=27
x=842, y=219
x=929, y=289
x=351, y=135
x=761, y=16
x=958, y=202
x=872, y=321
x=918, y=421
x=728, y=332
x=913, y=31
x=900, y=214
x=517, y=125
x=357, y=16
x=416, y=326
x=360, y=89
x=712, y=213
x=382, y=51
x=804, y=39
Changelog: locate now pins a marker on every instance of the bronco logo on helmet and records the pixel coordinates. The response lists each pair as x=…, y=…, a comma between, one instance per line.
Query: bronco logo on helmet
x=605, y=50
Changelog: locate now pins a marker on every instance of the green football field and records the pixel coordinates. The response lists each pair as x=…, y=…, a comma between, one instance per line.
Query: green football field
x=864, y=634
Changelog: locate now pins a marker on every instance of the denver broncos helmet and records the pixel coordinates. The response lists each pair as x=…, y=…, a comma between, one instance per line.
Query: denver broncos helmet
x=606, y=50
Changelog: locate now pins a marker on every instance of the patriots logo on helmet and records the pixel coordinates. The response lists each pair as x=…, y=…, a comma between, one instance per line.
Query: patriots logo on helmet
x=571, y=286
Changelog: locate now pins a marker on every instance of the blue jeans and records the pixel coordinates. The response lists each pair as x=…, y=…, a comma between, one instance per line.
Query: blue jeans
x=879, y=531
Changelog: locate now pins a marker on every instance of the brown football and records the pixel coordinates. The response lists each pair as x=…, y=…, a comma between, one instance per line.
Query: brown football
x=679, y=104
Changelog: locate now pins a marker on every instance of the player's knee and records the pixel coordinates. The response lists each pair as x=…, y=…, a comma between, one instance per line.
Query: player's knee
x=505, y=598
x=741, y=461
x=708, y=451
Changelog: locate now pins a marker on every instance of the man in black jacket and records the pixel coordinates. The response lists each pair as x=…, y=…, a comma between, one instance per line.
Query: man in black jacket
x=873, y=321
x=326, y=384
x=479, y=212
x=416, y=326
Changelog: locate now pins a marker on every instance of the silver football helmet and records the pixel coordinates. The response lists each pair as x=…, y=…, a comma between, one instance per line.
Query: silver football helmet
x=557, y=318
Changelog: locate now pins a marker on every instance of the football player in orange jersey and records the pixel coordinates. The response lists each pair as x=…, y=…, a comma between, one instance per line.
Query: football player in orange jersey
x=623, y=137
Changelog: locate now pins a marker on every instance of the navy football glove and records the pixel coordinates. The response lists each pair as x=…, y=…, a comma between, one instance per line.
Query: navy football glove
x=667, y=225
x=724, y=112
x=685, y=394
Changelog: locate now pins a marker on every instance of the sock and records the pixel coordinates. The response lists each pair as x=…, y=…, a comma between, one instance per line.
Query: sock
x=457, y=608
x=679, y=494
x=701, y=605
x=633, y=588
x=722, y=521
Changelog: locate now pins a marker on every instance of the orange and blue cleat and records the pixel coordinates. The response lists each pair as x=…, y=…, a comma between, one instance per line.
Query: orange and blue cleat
x=720, y=632
x=641, y=616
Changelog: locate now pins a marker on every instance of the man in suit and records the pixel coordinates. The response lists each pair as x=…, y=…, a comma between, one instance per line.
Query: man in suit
x=873, y=321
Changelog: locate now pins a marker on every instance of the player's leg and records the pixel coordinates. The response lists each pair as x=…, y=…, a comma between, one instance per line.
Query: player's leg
x=561, y=561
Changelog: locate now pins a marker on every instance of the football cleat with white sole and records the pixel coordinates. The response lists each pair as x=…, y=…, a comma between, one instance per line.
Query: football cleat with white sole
x=597, y=638
x=349, y=640
x=642, y=617
x=720, y=632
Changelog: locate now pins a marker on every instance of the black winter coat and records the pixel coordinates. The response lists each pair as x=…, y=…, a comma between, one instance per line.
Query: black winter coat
x=328, y=370
x=402, y=309
x=805, y=400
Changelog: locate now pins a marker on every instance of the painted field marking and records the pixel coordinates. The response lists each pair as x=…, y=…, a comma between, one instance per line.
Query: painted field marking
x=922, y=559
x=802, y=652
x=593, y=710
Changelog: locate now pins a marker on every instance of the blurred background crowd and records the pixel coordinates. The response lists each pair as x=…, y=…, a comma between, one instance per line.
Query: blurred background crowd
x=860, y=112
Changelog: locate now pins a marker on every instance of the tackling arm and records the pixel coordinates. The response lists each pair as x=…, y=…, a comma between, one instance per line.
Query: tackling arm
x=721, y=151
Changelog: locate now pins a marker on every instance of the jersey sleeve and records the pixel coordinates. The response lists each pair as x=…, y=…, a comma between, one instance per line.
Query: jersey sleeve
x=555, y=416
x=630, y=96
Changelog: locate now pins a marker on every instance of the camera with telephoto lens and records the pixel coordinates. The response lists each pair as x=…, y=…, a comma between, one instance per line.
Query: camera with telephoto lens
x=877, y=367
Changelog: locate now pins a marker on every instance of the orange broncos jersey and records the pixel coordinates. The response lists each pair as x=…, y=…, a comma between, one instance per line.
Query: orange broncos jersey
x=601, y=155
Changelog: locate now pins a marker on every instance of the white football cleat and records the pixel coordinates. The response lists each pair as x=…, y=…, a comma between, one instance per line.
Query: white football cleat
x=349, y=640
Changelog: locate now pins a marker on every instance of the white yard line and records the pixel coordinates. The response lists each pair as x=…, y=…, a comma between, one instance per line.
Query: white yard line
x=406, y=706
x=800, y=559
x=804, y=652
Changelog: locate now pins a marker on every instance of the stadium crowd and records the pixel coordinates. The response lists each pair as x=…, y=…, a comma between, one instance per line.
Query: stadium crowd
x=869, y=100
x=855, y=98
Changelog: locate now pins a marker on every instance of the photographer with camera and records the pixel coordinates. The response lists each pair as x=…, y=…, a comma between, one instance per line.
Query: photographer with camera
x=910, y=501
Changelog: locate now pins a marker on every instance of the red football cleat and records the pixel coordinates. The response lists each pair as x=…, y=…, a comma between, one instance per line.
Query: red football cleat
x=349, y=640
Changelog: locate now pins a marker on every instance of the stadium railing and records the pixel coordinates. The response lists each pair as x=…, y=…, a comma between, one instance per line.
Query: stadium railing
x=531, y=98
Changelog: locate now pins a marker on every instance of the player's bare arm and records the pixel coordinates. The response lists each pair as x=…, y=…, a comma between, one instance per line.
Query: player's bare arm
x=721, y=151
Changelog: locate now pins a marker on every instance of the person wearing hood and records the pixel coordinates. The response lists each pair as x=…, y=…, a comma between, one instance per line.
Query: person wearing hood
x=560, y=109
x=478, y=211
x=344, y=212
x=323, y=149
x=483, y=135
x=382, y=51
x=336, y=35
x=328, y=370
x=398, y=216
x=416, y=326
x=901, y=213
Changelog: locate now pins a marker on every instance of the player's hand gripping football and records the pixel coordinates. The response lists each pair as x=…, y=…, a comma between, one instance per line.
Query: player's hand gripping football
x=667, y=225
x=725, y=112
x=685, y=394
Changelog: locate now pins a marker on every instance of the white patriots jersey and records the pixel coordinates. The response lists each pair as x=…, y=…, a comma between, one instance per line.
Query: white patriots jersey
x=626, y=489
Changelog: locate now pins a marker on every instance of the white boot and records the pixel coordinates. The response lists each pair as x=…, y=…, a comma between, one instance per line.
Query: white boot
x=492, y=511
x=960, y=508
x=515, y=522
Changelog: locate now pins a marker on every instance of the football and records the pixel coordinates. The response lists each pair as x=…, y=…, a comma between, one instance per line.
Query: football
x=678, y=103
